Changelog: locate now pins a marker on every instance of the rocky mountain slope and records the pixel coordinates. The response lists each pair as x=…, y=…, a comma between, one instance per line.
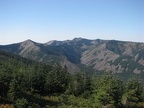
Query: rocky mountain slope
x=110, y=55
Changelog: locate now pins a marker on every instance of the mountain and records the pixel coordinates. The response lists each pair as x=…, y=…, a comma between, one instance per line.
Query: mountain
x=109, y=55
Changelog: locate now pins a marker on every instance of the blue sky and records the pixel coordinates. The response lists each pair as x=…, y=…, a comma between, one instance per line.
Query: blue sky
x=44, y=20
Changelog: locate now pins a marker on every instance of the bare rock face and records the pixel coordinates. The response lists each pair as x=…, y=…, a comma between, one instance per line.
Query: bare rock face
x=27, y=47
x=99, y=58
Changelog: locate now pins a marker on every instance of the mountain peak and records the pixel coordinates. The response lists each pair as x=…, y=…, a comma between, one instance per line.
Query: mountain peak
x=27, y=42
x=78, y=39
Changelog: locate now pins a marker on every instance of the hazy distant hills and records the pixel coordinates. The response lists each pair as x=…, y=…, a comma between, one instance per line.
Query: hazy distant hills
x=110, y=55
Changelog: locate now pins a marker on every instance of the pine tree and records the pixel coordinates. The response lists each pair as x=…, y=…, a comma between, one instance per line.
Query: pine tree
x=109, y=91
x=13, y=91
x=133, y=94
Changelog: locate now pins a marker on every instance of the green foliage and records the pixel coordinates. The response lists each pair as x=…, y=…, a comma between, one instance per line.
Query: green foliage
x=80, y=84
x=72, y=101
x=13, y=90
x=115, y=46
x=121, y=58
x=103, y=98
x=133, y=94
x=21, y=103
x=28, y=84
x=128, y=63
x=57, y=80
x=109, y=91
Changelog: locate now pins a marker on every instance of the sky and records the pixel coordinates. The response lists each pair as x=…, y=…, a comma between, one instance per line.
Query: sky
x=45, y=20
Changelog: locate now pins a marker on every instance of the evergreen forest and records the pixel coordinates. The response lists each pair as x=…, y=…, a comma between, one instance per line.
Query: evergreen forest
x=29, y=84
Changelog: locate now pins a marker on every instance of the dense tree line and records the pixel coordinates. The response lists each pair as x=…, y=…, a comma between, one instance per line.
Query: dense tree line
x=28, y=84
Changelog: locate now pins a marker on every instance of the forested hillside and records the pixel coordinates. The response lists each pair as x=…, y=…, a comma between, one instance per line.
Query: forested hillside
x=28, y=84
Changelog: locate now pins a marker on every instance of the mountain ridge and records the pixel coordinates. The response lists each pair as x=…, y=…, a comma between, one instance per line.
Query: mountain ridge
x=111, y=55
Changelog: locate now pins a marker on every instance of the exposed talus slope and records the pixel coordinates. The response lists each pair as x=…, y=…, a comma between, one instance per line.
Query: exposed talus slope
x=99, y=57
